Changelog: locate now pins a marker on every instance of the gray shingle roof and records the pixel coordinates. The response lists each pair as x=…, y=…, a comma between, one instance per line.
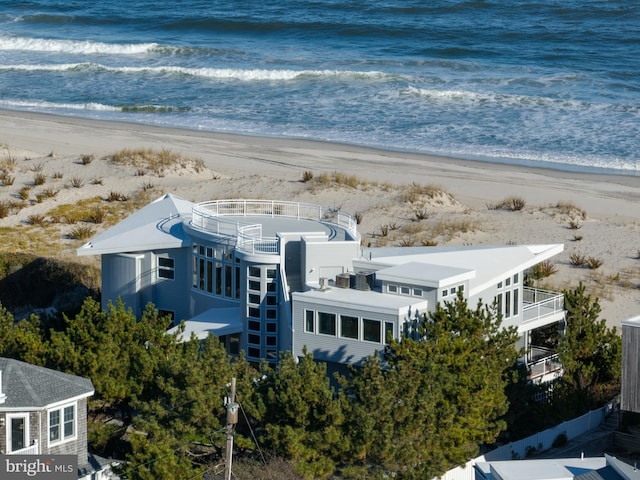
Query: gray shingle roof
x=29, y=386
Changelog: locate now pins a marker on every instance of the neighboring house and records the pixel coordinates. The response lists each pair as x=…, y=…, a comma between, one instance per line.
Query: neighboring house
x=44, y=412
x=595, y=468
x=630, y=381
x=271, y=276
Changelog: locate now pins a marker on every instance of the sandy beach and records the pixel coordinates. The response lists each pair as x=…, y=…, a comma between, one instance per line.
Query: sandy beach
x=596, y=216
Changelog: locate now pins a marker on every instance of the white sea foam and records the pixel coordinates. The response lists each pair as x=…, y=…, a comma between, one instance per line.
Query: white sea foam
x=72, y=46
x=213, y=73
x=38, y=105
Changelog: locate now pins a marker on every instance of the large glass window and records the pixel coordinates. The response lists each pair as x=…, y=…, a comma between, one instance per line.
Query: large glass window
x=348, y=326
x=371, y=330
x=166, y=268
x=327, y=323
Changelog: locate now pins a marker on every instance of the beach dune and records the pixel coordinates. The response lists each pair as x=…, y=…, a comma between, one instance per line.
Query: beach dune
x=401, y=198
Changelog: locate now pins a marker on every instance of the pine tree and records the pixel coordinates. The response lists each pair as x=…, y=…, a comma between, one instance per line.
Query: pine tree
x=436, y=399
x=591, y=354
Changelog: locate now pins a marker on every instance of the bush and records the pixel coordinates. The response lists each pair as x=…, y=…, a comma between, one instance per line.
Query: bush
x=307, y=176
x=560, y=441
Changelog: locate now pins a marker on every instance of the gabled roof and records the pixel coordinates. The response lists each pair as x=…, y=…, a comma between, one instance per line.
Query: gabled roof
x=155, y=226
x=483, y=266
x=29, y=387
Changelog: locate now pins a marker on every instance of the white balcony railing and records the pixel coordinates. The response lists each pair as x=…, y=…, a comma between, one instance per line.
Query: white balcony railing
x=30, y=450
x=537, y=304
x=213, y=217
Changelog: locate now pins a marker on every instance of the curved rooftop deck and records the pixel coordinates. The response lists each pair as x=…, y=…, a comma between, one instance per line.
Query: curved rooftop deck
x=246, y=220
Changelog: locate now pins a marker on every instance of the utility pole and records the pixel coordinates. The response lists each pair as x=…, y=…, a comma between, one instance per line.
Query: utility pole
x=232, y=420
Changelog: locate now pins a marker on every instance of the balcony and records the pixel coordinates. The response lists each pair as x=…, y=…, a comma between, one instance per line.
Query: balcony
x=223, y=217
x=541, y=307
x=543, y=365
x=30, y=450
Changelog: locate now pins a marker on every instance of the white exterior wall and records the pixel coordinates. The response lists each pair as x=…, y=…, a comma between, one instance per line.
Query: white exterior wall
x=324, y=259
x=338, y=349
x=122, y=277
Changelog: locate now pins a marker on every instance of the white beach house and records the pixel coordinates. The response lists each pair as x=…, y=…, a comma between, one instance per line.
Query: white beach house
x=271, y=276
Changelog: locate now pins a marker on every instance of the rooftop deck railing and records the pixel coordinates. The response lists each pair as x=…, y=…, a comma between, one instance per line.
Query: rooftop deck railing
x=211, y=217
x=537, y=304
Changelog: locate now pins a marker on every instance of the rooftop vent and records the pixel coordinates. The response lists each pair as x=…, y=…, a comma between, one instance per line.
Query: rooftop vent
x=324, y=283
x=343, y=280
x=364, y=280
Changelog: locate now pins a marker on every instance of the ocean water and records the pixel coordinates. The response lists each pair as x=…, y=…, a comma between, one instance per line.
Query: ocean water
x=552, y=83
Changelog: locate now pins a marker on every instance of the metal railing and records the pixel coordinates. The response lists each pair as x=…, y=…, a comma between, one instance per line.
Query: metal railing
x=210, y=217
x=538, y=304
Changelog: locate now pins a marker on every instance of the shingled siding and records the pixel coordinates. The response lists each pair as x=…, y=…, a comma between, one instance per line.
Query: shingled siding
x=630, y=395
x=73, y=447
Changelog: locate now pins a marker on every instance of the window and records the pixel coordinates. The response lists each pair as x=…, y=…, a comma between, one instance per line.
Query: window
x=234, y=344
x=417, y=292
x=516, y=279
x=254, y=339
x=392, y=288
x=445, y=292
x=254, y=312
x=272, y=313
x=272, y=287
x=62, y=424
x=254, y=352
x=405, y=290
x=309, y=322
x=507, y=304
x=254, y=298
x=515, y=301
x=271, y=341
x=272, y=327
x=348, y=326
x=371, y=330
x=254, y=272
x=271, y=273
x=327, y=323
x=254, y=326
x=507, y=282
x=254, y=285
x=388, y=331
x=272, y=300
x=166, y=268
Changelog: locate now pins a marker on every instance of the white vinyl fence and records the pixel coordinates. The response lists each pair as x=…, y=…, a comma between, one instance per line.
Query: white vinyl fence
x=539, y=442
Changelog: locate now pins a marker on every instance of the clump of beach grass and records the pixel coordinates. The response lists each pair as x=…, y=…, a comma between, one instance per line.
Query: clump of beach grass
x=75, y=182
x=512, y=203
x=153, y=161
x=86, y=159
x=81, y=232
x=36, y=219
x=39, y=179
x=415, y=192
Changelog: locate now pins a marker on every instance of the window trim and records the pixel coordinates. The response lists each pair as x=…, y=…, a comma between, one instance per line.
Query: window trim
x=61, y=425
x=166, y=272
x=9, y=437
